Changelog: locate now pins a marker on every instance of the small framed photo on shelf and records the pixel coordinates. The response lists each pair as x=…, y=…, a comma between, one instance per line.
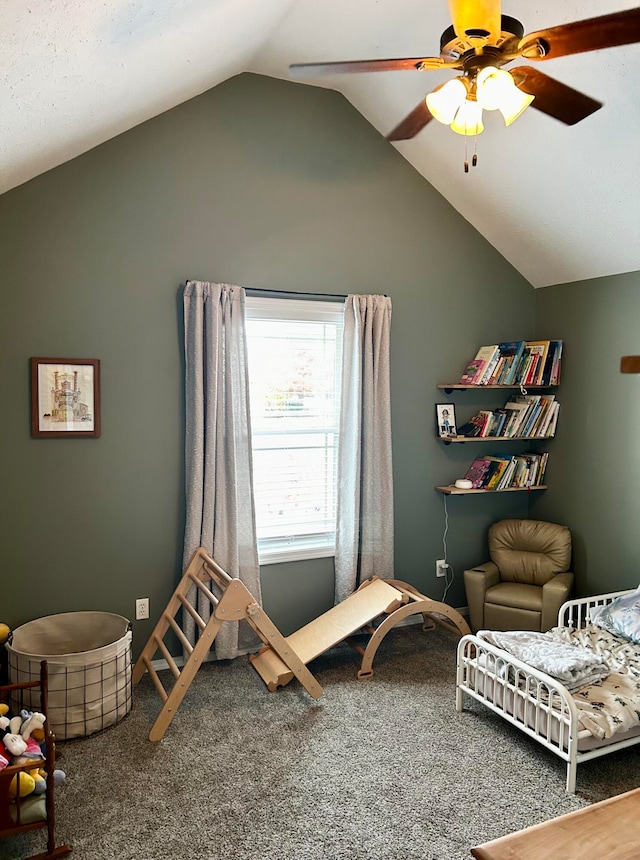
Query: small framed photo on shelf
x=65, y=397
x=446, y=418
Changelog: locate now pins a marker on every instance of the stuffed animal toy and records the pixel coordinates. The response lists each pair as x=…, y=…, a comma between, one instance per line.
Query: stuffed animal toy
x=22, y=785
x=32, y=725
x=22, y=748
x=13, y=746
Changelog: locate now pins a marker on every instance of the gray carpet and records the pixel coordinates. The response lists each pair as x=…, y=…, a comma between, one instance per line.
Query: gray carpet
x=383, y=769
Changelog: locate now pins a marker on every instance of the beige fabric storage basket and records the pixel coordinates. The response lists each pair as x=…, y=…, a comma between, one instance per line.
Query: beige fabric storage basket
x=89, y=663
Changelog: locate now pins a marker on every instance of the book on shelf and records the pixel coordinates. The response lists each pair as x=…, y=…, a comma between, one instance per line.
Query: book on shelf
x=490, y=355
x=540, y=363
x=477, y=471
x=505, y=480
x=472, y=372
x=530, y=469
x=547, y=402
x=516, y=362
x=496, y=470
x=551, y=429
x=497, y=422
x=485, y=416
x=554, y=377
x=545, y=378
x=510, y=353
x=544, y=430
x=471, y=428
x=517, y=412
x=525, y=415
x=541, y=349
x=507, y=471
x=532, y=414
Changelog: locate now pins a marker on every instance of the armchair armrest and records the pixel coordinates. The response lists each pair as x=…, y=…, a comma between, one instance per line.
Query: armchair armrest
x=476, y=582
x=554, y=594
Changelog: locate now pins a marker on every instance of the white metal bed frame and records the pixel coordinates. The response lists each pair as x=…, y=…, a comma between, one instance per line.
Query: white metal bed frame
x=535, y=702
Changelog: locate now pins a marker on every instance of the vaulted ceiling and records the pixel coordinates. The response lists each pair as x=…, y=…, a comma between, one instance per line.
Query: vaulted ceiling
x=561, y=203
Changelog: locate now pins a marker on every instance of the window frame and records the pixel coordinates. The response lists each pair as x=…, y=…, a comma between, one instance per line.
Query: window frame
x=300, y=547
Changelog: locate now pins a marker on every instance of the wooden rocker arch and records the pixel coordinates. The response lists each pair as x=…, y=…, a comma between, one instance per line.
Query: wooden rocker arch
x=374, y=609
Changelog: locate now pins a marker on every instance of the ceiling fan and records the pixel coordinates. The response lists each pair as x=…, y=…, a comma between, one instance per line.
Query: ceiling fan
x=480, y=41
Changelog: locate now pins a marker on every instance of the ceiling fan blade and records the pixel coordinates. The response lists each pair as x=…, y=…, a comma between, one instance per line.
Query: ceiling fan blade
x=552, y=97
x=471, y=17
x=592, y=34
x=303, y=70
x=412, y=124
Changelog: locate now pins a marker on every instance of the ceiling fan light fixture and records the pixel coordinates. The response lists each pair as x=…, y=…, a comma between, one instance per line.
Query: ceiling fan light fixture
x=444, y=102
x=468, y=119
x=496, y=90
x=514, y=104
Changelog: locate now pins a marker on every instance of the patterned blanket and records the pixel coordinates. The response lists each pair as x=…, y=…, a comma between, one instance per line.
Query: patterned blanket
x=601, y=669
x=613, y=705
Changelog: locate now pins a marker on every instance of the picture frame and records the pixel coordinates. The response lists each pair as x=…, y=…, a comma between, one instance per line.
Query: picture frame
x=446, y=418
x=65, y=398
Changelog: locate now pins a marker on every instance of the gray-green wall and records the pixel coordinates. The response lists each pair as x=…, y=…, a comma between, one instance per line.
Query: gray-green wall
x=262, y=183
x=594, y=473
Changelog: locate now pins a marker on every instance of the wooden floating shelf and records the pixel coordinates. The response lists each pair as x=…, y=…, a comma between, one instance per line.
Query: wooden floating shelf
x=452, y=490
x=447, y=439
x=448, y=386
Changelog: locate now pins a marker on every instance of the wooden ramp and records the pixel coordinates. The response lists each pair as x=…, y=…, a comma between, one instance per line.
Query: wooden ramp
x=373, y=609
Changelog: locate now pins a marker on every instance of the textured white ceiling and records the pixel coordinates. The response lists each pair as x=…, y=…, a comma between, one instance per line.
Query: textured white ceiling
x=561, y=203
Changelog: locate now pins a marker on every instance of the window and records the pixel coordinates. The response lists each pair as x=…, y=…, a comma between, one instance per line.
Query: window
x=295, y=361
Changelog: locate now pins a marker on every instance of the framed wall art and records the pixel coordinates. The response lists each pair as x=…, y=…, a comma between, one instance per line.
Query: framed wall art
x=65, y=397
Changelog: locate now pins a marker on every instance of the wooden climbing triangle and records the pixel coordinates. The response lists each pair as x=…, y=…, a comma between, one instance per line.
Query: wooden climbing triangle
x=376, y=607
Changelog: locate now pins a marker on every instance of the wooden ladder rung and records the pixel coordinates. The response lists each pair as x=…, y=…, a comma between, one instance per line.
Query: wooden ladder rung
x=203, y=588
x=216, y=573
x=156, y=680
x=167, y=656
x=192, y=612
x=188, y=647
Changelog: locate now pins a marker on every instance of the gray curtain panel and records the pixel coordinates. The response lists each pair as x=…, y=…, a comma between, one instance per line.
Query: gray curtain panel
x=219, y=484
x=364, y=535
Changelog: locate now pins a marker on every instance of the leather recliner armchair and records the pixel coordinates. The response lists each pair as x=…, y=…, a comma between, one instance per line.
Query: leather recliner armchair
x=527, y=580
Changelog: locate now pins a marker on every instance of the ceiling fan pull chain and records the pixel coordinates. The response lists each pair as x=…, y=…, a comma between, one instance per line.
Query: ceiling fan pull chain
x=474, y=158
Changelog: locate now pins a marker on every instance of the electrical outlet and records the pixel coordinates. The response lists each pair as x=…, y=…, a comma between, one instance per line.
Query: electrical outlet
x=441, y=567
x=142, y=608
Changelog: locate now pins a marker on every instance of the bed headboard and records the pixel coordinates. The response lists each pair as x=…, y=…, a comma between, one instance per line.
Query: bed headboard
x=575, y=613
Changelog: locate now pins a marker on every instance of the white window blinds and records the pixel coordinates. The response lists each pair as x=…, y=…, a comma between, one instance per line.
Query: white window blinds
x=295, y=361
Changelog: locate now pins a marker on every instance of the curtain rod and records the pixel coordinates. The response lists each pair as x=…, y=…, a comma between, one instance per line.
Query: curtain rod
x=294, y=292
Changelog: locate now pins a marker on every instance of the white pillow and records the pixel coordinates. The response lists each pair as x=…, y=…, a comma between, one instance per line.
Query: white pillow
x=621, y=616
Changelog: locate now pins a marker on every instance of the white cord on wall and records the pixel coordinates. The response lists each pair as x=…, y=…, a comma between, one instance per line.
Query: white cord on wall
x=449, y=571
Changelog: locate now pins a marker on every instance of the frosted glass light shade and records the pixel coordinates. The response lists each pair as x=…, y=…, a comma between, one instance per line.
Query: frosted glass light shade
x=514, y=104
x=496, y=90
x=468, y=119
x=445, y=100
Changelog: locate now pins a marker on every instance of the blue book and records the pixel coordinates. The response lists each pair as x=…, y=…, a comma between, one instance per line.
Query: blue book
x=512, y=350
